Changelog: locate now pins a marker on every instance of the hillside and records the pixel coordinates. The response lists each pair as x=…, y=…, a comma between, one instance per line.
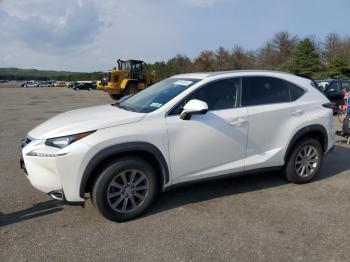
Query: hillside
x=34, y=74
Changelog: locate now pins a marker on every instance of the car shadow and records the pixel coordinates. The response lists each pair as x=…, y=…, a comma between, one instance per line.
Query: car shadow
x=201, y=192
x=335, y=162
x=37, y=210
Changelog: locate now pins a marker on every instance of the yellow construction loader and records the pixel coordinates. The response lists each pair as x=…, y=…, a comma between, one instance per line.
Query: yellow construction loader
x=127, y=79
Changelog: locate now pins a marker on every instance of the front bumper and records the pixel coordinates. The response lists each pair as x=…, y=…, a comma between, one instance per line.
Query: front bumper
x=56, y=170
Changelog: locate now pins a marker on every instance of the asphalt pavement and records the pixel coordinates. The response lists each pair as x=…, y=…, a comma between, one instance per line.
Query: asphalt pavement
x=253, y=218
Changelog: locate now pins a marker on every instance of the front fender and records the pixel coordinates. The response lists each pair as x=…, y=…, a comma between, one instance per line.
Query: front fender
x=124, y=148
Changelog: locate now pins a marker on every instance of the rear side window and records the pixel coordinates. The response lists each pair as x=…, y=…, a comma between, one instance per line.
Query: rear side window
x=335, y=86
x=268, y=90
x=294, y=91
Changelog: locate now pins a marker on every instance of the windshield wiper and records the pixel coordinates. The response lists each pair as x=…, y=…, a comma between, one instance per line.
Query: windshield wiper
x=127, y=108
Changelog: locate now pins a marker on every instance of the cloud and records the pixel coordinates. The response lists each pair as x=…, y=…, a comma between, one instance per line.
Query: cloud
x=50, y=25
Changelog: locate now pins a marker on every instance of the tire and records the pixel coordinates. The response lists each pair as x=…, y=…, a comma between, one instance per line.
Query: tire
x=115, y=96
x=131, y=89
x=125, y=189
x=307, y=154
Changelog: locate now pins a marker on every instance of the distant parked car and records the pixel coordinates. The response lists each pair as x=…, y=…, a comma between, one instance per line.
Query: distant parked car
x=84, y=86
x=332, y=88
x=72, y=84
x=30, y=84
x=46, y=84
x=60, y=84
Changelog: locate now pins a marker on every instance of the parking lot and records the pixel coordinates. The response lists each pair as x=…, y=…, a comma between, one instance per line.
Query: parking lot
x=252, y=218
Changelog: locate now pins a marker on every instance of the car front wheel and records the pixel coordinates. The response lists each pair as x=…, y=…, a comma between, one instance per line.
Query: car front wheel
x=304, y=161
x=125, y=189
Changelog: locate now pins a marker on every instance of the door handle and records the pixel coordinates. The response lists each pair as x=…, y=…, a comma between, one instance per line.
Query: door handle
x=297, y=112
x=238, y=122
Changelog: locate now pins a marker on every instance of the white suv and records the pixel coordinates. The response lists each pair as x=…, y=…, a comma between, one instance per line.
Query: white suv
x=186, y=128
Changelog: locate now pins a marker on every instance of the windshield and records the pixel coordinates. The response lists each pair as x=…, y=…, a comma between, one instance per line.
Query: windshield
x=156, y=95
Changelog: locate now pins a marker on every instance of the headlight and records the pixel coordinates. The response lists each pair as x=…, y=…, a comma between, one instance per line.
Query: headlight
x=64, y=141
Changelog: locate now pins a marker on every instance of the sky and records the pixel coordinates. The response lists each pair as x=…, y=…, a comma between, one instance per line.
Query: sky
x=90, y=35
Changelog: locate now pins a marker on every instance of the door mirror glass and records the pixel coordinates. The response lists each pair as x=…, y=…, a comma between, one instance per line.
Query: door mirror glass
x=194, y=107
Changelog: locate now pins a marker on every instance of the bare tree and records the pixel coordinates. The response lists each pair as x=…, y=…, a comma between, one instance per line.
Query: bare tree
x=332, y=47
x=205, y=61
x=284, y=44
x=222, y=59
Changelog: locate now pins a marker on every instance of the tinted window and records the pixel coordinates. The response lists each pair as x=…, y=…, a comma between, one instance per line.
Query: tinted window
x=335, y=86
x=221, y=94
x=294, y=91
x=345, y=84
x=268, y=90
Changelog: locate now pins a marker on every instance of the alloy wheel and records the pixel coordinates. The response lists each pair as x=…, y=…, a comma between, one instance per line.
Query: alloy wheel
x=306, y=161
x=127, y=190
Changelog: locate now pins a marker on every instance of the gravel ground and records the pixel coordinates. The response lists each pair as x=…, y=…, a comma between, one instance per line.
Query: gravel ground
x=251, y=218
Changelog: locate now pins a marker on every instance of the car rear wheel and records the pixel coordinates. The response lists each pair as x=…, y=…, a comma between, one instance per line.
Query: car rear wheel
x=304, y=161
x=125, y=189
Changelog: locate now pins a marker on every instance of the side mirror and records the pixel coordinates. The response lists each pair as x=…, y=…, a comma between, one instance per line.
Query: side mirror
x=194, y=107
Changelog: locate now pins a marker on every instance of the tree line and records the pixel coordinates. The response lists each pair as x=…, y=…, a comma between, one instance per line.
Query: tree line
x=33, y=74
x=309, y=57
x=306, y=56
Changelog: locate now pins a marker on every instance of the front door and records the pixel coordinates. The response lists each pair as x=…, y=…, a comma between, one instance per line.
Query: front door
x=212, y=144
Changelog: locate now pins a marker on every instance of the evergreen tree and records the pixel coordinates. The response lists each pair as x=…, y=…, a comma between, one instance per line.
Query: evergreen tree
x=339, y=67
x=305, y=61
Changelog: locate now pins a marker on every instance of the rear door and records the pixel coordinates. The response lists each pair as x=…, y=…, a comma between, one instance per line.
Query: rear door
x=274, y=112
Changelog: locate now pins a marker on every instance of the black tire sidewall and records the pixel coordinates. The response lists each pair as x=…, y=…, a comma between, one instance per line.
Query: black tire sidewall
x=99, y=194
x=115, y=97
x=129, y=88
x=290, y=172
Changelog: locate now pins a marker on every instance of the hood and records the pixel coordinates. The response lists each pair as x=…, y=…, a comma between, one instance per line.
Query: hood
x=83, y=120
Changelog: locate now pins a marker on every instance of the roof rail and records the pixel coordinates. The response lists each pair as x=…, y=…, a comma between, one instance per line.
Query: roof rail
x=248, y=70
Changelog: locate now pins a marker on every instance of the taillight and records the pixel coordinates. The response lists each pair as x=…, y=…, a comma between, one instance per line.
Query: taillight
x=329, y=105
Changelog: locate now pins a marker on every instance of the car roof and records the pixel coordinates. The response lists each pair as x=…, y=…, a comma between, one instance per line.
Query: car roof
x=302, y=81
x=205, y=75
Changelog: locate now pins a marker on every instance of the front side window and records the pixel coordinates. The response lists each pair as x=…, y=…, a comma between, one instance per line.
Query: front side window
x=124, y=65
x=268, y=90
x=156, y=95
x=219, y=95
